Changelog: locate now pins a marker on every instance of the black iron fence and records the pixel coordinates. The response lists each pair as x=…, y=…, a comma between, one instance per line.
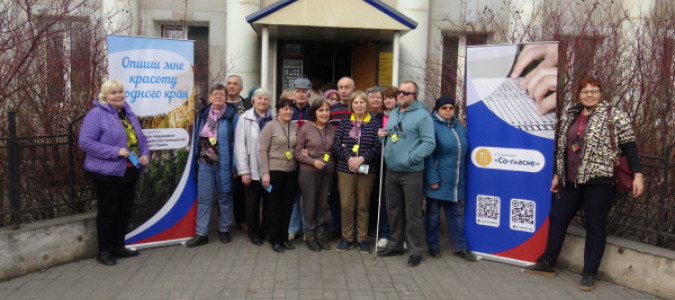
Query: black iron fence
x=41, y=177
x=649, y=219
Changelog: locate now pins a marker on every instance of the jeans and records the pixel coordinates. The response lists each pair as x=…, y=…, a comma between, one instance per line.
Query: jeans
x=208, y=179
x=297, y=222
x=453, y=215
x=334, y=206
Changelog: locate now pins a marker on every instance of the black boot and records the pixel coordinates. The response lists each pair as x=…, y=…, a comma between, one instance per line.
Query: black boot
x=106, y=258
x=197, y=240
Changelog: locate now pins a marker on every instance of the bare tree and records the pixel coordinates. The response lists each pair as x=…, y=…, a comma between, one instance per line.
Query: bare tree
x=631, y=52
x=52, y=60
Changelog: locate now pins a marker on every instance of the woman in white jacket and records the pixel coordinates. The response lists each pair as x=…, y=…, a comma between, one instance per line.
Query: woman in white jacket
x=246, y=145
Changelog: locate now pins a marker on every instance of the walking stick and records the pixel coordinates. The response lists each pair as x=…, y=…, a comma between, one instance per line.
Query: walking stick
x=379, y=201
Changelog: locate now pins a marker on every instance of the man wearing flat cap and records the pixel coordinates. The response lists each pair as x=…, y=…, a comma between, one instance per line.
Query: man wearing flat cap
x=302, y=89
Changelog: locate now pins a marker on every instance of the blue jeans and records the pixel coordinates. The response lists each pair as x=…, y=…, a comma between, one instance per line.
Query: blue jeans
x=297, y=221
x=453, y=215
x=208, y=178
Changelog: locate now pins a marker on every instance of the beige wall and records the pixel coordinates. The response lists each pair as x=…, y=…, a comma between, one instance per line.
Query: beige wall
x=212, y=13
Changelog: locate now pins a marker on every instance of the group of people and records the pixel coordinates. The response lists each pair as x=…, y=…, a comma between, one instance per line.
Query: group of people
x=341, y=157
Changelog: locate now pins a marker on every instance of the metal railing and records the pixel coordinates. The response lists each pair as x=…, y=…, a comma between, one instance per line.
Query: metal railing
x=42, y=176
x=649, y=219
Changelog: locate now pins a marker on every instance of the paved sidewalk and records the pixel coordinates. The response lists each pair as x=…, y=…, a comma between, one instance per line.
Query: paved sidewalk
x=240, y=270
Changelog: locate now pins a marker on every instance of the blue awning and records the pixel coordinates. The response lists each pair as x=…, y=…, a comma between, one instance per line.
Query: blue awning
x=364, y=14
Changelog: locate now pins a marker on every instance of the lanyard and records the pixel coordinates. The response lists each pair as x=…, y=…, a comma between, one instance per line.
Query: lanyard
x=581, y=124
x=287, y=133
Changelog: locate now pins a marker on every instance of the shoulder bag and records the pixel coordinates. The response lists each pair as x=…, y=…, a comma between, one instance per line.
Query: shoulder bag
x=623, y=175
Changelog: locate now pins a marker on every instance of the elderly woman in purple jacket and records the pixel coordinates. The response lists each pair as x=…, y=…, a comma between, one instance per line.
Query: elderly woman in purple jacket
x=116, y=151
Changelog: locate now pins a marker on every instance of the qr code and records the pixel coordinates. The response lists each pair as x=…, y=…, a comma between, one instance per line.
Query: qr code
x=487, y=210
x=522, y=215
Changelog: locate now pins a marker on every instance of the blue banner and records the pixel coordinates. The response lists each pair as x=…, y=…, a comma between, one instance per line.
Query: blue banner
x=511, y=158
x=159, y=86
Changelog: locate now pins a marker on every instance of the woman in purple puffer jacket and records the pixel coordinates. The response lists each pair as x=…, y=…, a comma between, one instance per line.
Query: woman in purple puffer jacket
x=116, y=152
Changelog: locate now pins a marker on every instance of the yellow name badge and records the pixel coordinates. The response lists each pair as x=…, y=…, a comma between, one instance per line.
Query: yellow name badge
x=326, y=157
x=355, y=148
x=212, y=140
x=394, y=138
x=289, y=156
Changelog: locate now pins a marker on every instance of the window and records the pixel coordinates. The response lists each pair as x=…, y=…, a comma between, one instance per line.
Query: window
x=200, y=34
x=67, y=60
x=454, y=61
x=579, y=58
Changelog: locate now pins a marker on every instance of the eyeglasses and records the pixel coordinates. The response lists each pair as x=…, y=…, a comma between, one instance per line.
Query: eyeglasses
x=405, y=93
x=333, y=98
x=593, y=92
x=447, y=108
x=221, y=94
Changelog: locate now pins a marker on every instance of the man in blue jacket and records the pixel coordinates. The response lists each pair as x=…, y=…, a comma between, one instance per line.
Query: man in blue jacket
x=409, y=140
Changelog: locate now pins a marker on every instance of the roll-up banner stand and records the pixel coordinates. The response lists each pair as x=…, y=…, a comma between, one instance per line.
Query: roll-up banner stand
x=159, y=86
x=511, y=158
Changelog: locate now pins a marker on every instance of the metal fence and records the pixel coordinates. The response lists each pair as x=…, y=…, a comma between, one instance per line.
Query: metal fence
x=649, y=219
x=42, y=176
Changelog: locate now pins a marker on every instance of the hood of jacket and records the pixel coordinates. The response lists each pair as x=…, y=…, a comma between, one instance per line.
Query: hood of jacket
x=450, y=123
x=416, y=105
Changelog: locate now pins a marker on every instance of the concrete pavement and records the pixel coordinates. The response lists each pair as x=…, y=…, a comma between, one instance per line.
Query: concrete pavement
x=241, y=270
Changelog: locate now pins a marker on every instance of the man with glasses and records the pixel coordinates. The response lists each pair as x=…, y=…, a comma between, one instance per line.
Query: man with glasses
x=409, y=140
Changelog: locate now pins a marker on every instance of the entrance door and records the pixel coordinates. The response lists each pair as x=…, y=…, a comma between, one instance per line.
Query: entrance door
x=364, y=66
x=323, y=63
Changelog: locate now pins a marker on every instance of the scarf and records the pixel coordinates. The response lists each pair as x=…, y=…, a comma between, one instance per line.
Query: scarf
x=211, y=127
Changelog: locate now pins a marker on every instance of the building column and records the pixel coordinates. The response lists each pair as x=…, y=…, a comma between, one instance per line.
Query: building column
x=396, y=58
x=121, y=16
x=241, y=48
x=413, y=44
x=264, y=56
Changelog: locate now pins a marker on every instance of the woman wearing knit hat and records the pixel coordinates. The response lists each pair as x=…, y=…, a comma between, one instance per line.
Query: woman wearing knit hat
x=444, y=180
x=332, y=95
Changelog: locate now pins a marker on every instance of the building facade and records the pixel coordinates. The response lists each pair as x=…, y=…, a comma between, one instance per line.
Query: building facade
x=377, y=42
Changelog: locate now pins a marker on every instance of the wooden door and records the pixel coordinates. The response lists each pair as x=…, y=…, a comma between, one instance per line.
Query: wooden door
x=364, y=66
